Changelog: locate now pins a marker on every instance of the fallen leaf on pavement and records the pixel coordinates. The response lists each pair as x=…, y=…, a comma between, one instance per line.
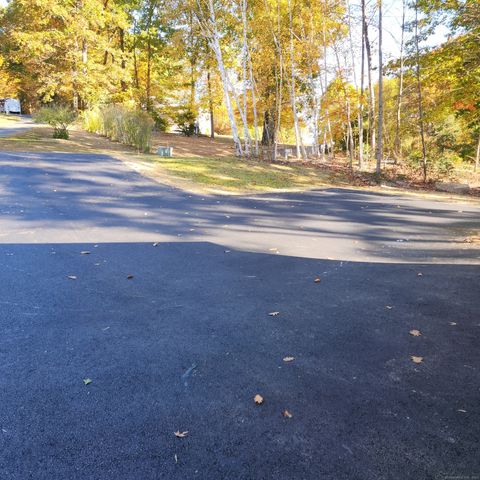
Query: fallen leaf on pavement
x=155, y=244
x=258, y=399
x=289, y=359
x=180, y=434
x=287, y=414
x=388, y=307
x=419, y=274
x=87, y=381
x=85, y=252
x=416, y=359
x=176, y=458
x=452, y=323
x=129, y=277
x=415, y=333
x=274, y=314
x=317, y=280
x=461, y=410
x=72, y=277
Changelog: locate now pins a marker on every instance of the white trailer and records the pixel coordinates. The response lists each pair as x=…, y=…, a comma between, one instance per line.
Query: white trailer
x=10, y=105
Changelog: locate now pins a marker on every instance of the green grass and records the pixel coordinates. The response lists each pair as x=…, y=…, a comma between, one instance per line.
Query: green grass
x=240, y=175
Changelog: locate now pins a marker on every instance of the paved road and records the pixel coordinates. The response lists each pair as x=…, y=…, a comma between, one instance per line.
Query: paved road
x=187, y=342
x=23, y=124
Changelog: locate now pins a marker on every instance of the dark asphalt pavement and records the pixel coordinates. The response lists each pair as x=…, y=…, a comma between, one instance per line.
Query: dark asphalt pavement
x=187, y=342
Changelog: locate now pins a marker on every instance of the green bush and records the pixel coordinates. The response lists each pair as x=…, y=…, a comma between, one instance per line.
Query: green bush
x=186, y=123
x=60, y=118
x=445, y=164
x=161, y=123
x=130, y=127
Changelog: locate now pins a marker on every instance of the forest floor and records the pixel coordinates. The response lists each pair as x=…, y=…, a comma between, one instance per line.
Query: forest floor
x=202, y=164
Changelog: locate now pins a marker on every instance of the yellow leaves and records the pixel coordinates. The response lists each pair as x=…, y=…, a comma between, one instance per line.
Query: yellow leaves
x=180, y=434
x=258, y=399
x=416, y=359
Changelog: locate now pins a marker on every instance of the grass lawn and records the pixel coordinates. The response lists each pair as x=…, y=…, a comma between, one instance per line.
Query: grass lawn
x=234, y=175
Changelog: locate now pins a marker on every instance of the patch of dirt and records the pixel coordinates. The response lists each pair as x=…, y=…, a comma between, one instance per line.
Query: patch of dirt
x=196, y=147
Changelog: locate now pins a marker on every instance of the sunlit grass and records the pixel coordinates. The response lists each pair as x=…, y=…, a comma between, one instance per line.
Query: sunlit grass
x=243, y=175
x=7, y=119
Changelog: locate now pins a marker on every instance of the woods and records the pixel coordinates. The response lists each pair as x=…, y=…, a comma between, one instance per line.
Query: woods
x=309, y=78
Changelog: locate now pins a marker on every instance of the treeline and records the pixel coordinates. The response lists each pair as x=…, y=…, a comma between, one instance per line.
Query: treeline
x=268, y=72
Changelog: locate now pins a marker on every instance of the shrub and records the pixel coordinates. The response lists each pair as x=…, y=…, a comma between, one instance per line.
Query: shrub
x=130, y=127
x=60, y=118
x=186, y=123
x=161, y=123
x=91, y=120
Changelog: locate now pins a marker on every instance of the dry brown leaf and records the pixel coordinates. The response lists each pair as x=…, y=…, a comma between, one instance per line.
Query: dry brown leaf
x=258, y=399
x=317, y=280
x=72, y=277
x=388, y=307
x=130, y=276
x=288, y=359
x=416, y=359
x=415, y=333
x=85, y=252
x=180, y=434
x=287, y=414
x=274, y=314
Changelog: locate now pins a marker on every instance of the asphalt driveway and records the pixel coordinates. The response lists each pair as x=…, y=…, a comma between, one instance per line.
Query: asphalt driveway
x=166, y=311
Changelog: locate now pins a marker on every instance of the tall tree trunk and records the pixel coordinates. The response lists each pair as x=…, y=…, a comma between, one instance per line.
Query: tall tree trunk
x=123, y=83
x=244, y=77
x=148, y=79
x=371, y=93
x=349, y=133
x=325, y=89
x=210, y=105
x=254, y=104
x=362, y=91
x=380, y=91
x=298, y=140
x=397, y=141
x=214, y=39
x=278, y=83
x=419, y=93
x=477, y=157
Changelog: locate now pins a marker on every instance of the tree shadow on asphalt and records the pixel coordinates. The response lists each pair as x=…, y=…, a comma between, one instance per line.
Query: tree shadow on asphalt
x=53, y=190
